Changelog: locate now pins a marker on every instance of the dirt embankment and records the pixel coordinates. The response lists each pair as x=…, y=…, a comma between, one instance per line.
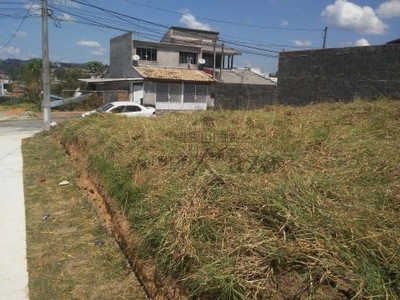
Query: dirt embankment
x=157, y=286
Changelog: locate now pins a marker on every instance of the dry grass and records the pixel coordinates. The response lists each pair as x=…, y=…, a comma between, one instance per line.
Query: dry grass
x=63, y=260
x=280, y=203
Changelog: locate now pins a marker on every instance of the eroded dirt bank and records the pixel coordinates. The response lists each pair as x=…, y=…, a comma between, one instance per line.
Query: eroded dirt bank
x=156, y=286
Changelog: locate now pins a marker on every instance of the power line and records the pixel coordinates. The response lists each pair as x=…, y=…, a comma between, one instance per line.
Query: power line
x=225, y=22
x=258, y=43
x=123, y=22
x=13, y=9
x=250, y=47
x=113, y=13
x=19, y=27
x=102, y=22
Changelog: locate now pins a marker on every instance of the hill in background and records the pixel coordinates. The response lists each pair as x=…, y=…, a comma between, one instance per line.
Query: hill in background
x=11, y=66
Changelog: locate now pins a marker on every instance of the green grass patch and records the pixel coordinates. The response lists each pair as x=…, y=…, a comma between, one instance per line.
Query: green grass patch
x=63, y=260
x=276, y=203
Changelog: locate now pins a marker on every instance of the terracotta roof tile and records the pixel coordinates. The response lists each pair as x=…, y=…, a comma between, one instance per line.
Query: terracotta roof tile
x=174, y=74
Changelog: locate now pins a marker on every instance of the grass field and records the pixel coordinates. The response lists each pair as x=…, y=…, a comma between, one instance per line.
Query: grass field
x=279, y=203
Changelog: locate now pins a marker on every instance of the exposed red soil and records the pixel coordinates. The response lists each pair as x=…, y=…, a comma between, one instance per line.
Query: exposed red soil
x=156, y=287
x=12, y=112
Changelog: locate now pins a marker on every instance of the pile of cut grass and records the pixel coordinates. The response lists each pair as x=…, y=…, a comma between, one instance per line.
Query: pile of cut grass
x=276, y=203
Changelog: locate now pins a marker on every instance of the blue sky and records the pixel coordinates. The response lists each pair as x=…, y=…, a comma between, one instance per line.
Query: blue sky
x=80, y=30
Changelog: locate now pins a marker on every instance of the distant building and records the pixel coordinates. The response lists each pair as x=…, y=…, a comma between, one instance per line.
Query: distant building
x=4, y=78
x=3, y=88
x=177, y=73
x=169, y=74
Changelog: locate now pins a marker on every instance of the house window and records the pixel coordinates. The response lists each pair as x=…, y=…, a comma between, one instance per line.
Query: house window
x=209, y=61
x=195, y=93
x=169, y=92
x=187, y=57
x=181, y=93
x=148, y=54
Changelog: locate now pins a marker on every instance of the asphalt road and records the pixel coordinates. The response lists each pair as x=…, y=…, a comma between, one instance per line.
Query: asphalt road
x=27, y=126
x=20, y=127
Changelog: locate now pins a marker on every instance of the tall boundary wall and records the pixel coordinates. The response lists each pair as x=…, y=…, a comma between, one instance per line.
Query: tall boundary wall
x=339, y=74
x=243, y=96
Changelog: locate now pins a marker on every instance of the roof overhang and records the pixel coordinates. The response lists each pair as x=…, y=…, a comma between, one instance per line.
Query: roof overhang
x=106, y=80
x=166, y=74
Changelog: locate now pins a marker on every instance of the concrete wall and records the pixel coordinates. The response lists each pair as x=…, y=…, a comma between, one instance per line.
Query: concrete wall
x=243, y=96
x=121, y=58
x=341, y=74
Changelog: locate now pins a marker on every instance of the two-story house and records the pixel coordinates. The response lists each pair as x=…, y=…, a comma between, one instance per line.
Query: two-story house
x=209, y=48
x=174, y=74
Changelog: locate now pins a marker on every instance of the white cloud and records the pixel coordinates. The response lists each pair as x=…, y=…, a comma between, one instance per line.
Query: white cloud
x=184, y=11
x=389, y=9
x=66, y=17
x=34, y=9
x=285, y=23
x=20, y=34
x=9, y=50
x=362, y=42
x=91, y=44
x=190, y=21
x=299, y=43
x=70, y=3
x=349, y=16
x=100, y=51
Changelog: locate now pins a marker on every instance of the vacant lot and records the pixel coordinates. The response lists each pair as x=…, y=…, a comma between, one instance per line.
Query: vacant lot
x=280, y=203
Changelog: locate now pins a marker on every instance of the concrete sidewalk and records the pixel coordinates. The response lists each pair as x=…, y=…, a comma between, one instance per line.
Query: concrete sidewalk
x=13, y=264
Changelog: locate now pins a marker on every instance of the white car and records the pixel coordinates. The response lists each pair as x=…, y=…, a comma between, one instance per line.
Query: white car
x=124, y=108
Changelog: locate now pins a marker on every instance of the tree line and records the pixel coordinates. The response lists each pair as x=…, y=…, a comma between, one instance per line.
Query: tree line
x=27, y=76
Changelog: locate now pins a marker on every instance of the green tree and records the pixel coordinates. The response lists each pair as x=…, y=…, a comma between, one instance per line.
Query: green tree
x=96, y=68
x=70, y=81
x=59, y=72
x=31, y=76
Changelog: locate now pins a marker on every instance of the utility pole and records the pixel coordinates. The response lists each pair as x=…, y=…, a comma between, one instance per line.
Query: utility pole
x=45, y=68
x=325, y=35
x=222, y=61
x=214, y=57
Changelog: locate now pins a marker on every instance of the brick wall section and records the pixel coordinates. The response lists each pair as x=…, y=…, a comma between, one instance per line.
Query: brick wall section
x=341, y=74
x=243, y=96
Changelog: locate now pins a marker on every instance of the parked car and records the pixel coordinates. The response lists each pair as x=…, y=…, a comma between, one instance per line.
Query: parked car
x=124, y=108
